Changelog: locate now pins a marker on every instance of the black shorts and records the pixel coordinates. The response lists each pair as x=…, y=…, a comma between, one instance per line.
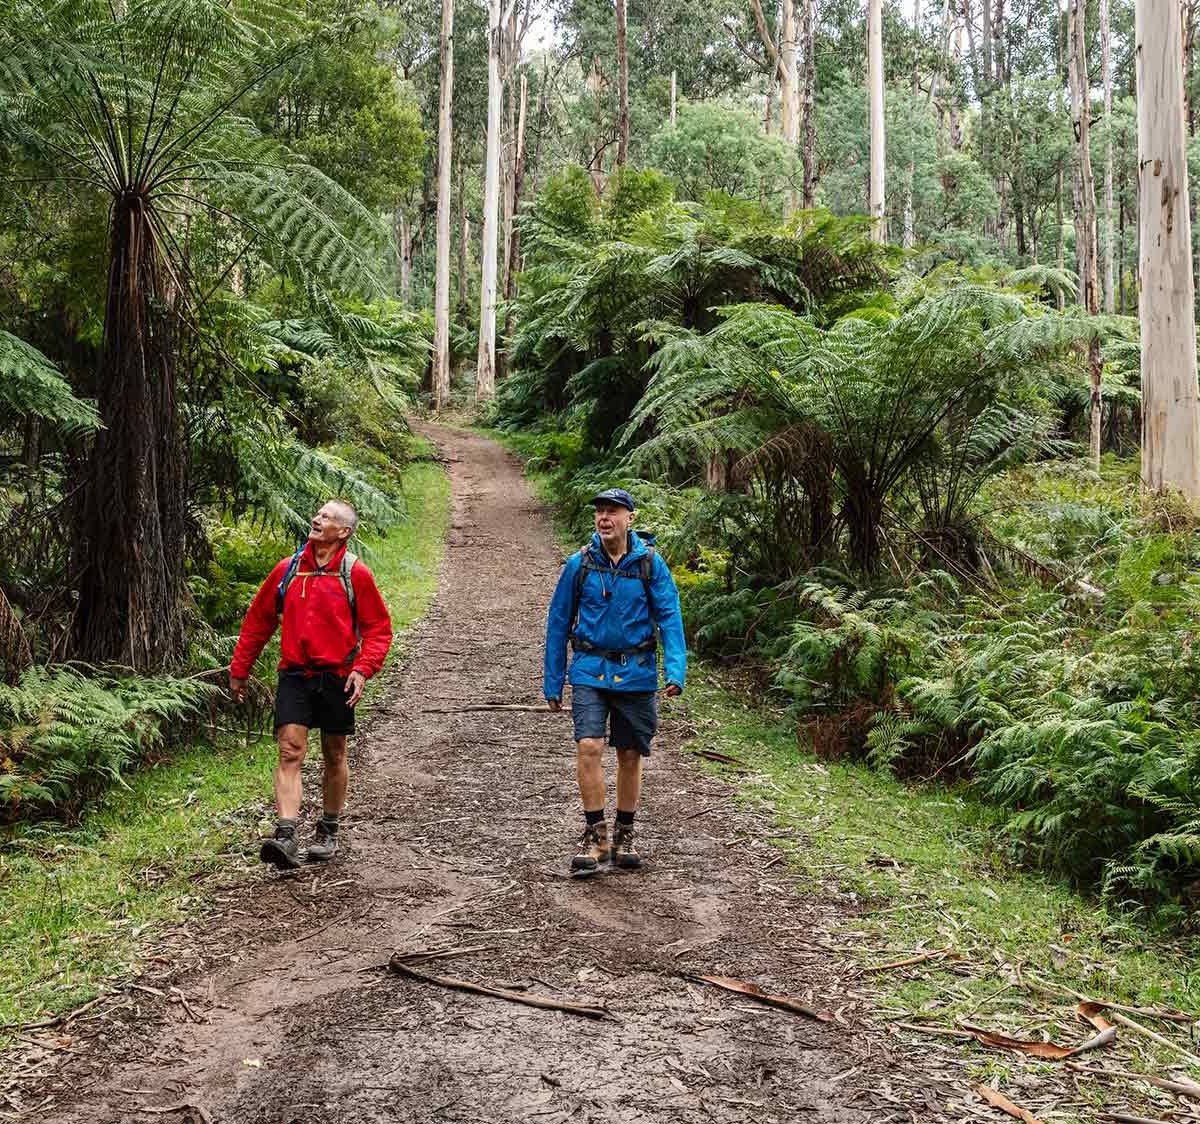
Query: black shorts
x=315, y=700
x=630, y=716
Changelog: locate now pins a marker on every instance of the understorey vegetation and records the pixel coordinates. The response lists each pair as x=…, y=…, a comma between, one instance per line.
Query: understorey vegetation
x=870, y=475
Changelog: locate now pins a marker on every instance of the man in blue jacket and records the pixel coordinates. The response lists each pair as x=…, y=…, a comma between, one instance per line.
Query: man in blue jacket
x=611, y=597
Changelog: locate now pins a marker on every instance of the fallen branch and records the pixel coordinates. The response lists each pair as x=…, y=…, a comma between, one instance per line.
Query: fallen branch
x=1183, y=1088
x=720, y=758
x=753, y=991
x=527, y=708
x=413, y=958
x=57, y=1020
x=933, y=954
x=1146, y=1032
x=402, y=969
x=1125, y=1118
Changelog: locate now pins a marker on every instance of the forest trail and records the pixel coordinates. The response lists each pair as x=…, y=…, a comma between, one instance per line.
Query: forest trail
x=459, y=831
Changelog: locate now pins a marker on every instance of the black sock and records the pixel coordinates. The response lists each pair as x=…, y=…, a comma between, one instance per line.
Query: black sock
x=594, y=818
x=625, y=818
x=330, y=820
x=285, y=829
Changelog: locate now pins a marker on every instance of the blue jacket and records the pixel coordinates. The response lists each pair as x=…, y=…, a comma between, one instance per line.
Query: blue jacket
x=618, y=621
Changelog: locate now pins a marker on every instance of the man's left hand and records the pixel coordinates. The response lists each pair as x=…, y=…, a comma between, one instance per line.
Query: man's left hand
x=355, y=682
x=672, y=690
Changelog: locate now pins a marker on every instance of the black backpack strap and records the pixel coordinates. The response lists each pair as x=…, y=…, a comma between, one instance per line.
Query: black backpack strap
x=585, y=564
x=286, y=580
x=647, y=572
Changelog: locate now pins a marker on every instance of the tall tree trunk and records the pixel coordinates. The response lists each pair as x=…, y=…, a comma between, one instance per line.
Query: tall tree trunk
x=1106, y=80
x=878, y=141
x=464, y=248
x=513, y=249
x=622, y=85
x=809, y=151
x=1085, y=209
x=908, y=235
x=1170, y=403
x=485, y=365
x=129, y=544
x=404, y=248
x=781, y=59
x=441, y=298
x=675, y=98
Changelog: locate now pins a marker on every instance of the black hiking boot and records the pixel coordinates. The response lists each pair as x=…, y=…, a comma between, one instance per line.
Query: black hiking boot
x=325, y=843
x=281, y=850
x=593, y=850
x=624, y=853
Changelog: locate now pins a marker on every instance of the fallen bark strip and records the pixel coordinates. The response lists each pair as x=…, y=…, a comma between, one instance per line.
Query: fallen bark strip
x=753, y=991
x=1182, y=1087
x=998, y=1100
x=402, y=969
x=414, y=958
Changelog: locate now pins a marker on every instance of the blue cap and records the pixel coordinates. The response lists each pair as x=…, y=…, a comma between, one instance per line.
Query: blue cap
x=615, y=495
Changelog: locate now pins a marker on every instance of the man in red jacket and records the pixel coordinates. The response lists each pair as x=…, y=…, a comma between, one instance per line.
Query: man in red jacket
x=336, y=635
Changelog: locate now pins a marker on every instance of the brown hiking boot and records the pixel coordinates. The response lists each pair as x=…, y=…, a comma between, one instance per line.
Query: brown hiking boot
x=624, y=853
x=593, y=851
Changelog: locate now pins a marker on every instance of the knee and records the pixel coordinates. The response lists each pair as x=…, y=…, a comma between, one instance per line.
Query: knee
x=292, y=750
x=590, y=750
x=334, y=752
x=629, y=759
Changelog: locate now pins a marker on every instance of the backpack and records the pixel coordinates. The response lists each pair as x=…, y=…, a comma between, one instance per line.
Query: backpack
x=586, y=565
x=343, y=573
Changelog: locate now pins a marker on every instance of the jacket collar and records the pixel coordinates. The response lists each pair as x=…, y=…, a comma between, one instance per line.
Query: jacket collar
x=310, y=556
x=634, y=550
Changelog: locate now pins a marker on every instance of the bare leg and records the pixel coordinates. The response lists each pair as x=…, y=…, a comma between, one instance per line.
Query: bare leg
x=336, y=774
x=293, y=745
x=589, y=769
x=629, y=779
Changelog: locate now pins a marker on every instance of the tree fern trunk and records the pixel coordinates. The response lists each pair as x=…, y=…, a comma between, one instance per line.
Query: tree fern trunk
x=129, y=546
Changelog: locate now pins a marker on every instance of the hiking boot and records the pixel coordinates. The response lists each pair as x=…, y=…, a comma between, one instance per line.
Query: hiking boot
x=325, y=843
x=281, y=850
x=624, y=853
x=593, y=851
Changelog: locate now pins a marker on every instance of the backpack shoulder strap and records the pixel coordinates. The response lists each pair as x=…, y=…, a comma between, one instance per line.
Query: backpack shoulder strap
x=348, y=560
x=647, y=571
x=585, y=564
x=288, y=574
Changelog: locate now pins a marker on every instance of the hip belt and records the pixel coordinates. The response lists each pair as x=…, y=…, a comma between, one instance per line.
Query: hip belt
x=616, y=655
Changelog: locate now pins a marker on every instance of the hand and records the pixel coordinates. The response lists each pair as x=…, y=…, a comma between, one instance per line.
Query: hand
x=673, y=689
x=237, y=688
x=355, y=682
x=554, y=704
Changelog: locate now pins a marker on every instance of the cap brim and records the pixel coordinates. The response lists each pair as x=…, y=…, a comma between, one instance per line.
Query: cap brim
x=611, y=499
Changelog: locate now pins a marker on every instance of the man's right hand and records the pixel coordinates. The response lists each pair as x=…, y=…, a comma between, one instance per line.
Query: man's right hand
x=237, y=688
x=554, y=704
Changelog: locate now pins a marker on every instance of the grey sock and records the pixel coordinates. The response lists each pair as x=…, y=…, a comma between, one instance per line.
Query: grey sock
x=285, y=829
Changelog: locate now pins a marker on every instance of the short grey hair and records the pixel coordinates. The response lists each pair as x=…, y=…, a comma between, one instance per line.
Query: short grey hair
x=350, y=514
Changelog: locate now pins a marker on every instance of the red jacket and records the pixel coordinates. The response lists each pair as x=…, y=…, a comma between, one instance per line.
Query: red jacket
x=318, y=630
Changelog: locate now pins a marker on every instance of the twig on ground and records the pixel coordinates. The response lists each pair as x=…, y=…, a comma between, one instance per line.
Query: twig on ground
x=526, y=708
x=1181, y=1086
x=414, y=958
x=933, y=954
x=1154, y=1036
x=782, y=1002
x=57, y=1020
x=401, y=968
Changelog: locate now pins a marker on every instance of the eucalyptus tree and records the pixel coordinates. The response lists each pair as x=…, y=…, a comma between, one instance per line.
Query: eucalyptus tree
x=134, y=110
x=1170, y=405
x=441, y=306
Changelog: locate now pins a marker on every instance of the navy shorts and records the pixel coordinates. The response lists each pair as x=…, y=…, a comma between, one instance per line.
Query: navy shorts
x=633, y=716
x=314, y=701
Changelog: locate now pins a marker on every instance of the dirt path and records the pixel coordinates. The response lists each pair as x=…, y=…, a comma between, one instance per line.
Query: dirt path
x=459, y=831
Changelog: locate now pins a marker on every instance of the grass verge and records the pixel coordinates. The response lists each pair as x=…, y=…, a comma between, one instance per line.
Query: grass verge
x=77, y=905
x=921, y=868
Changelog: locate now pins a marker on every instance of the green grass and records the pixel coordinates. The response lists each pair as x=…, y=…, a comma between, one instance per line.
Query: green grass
x=79, y=906
x=924, y=868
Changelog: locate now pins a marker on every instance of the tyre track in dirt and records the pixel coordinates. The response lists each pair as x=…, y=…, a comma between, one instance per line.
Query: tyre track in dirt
x=459, y=830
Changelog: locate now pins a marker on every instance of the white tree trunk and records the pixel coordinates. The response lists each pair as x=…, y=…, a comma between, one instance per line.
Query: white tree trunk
x=1110, y=295
x=441, y=300
x=674, y=98
x=1170, y=404
x=878, y=141
x=485, y=365
x=909, y=234
x=1086, y=250
x=622, y=85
